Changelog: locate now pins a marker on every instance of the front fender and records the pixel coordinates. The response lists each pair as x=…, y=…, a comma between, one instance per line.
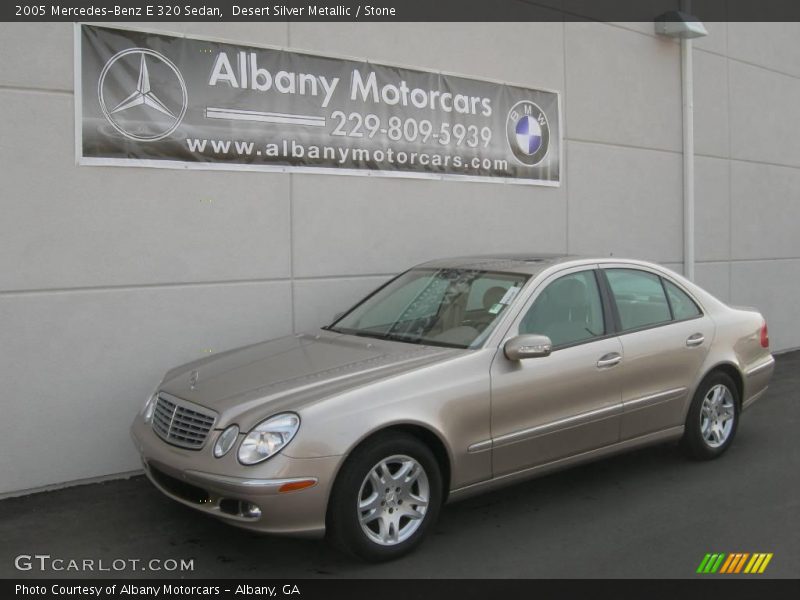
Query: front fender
x=450, y=399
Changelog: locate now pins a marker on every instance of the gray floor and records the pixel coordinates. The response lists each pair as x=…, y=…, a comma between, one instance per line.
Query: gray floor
x=647, y=514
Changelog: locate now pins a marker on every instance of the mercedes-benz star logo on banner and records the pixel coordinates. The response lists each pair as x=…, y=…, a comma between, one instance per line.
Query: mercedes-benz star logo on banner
x=528, y=133
x=142, y=94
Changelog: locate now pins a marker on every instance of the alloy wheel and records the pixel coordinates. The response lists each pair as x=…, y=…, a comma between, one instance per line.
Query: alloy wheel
x=393, y=500
x=717, y=415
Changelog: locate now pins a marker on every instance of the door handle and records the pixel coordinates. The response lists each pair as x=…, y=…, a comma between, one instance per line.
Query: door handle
x=695, y=340
x=609, y=360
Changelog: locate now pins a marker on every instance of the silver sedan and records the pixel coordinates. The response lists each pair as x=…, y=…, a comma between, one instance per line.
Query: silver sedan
x=455, y=377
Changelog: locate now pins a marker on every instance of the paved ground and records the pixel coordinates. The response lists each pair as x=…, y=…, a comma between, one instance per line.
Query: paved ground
x=647, y=514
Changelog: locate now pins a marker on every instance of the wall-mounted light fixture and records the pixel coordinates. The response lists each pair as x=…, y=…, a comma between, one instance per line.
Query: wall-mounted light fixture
x=677, y=24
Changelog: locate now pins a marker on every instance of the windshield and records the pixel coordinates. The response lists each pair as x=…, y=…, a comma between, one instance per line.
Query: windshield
x=444, y=307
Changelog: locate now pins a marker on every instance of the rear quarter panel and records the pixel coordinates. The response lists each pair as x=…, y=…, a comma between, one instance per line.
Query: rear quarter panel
x=738, y=343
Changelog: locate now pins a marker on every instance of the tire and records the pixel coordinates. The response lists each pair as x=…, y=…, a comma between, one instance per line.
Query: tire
x=713, y=418
x=395, y=522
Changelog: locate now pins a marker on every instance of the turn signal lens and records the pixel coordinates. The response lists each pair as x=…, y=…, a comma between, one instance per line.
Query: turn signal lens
x=149, y=408
x=764, y=336
x=294, y=486
x=225, y=441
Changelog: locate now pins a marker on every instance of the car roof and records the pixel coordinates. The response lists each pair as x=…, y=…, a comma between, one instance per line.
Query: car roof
x=518, y=263
x=530, y=264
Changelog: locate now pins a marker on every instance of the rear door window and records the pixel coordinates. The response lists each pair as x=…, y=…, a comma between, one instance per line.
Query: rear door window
x=640, y=298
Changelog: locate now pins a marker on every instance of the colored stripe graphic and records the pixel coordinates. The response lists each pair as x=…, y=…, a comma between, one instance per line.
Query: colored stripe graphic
x=711, y=563
x=730, y=563
x=703, y=563
x=764, y=564
x=758, y=563
x=756, y=558
x=741, y=562
x=720, y=562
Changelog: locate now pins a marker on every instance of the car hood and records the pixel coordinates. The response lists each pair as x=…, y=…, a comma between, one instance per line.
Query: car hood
x=292, y=371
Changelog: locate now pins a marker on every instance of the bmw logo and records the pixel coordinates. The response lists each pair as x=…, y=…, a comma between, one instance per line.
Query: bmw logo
x=528, y=133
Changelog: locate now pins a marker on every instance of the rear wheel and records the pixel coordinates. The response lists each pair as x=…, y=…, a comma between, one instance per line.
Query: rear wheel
x=385, y=499
x=713, y=417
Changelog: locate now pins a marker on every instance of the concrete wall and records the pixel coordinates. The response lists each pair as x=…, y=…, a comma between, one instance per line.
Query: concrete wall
x=110, y=275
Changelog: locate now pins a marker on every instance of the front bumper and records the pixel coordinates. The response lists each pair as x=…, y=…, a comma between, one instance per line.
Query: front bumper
x=228, y=490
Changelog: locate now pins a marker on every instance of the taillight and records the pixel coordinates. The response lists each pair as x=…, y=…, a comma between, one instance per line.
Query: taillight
x=764, y=336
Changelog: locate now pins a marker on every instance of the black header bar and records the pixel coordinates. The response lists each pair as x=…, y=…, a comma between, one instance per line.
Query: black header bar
x=392, y=10
x=400, y=589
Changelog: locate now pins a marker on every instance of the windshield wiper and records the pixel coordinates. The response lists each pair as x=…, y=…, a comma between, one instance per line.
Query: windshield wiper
x=400, y=337
x=359, y=333
x=392, y=337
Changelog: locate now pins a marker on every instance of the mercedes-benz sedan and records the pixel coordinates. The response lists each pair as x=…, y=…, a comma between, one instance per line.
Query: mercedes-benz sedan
x=455, y=377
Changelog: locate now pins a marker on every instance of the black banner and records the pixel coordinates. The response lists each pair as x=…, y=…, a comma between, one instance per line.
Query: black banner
x=149, y=99
x=351, y=589
x=396, y=10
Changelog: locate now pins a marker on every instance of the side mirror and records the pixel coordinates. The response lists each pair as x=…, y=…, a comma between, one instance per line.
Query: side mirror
x=528, y=346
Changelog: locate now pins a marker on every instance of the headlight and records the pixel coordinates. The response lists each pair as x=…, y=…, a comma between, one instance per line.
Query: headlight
x=149, y=408
x=268, y=437
x=225, y=441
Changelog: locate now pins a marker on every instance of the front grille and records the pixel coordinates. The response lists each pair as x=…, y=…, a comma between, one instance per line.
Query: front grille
x=181, y=423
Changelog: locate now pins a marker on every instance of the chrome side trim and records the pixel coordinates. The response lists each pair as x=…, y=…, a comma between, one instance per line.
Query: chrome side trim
x=565, y=423
x=264, y=486
x=539, y=470
x=651, y=399
x=480, y=446
x=762, y=367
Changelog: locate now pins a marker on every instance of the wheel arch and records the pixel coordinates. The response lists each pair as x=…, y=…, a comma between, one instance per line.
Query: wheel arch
x=730, y=369
x=424, y=433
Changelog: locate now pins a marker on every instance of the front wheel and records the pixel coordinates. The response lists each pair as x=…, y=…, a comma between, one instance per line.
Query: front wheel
x=385, y=499
x=713, y=418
